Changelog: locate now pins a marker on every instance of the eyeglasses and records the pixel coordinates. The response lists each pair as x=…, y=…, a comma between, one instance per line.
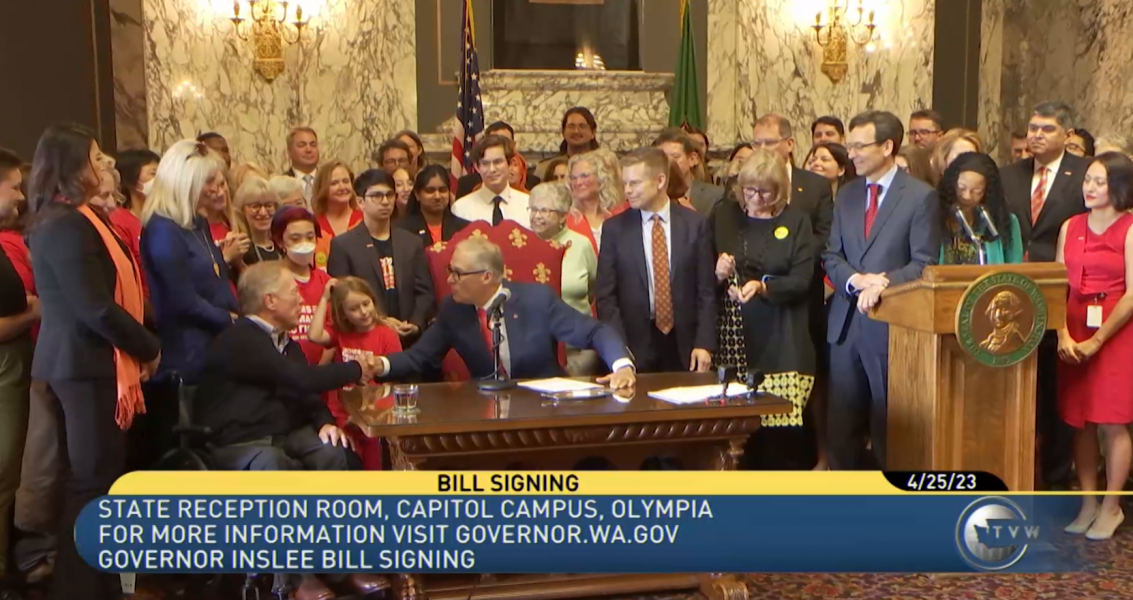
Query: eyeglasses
x=919, y=133
x=751, y=192
x=269, y=207
x=544, y=211
x=577, y=127
x=381, y=195
x=579, y=176
x=1074, y=146
x=860, y=147
x=767, y=143
x=455, y=273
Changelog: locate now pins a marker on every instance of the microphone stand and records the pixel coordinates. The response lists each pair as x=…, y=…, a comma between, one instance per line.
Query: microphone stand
x=497, y=382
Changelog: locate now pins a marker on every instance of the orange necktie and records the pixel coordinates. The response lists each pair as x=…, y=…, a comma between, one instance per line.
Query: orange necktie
x=1038, y=197
x=662, y=296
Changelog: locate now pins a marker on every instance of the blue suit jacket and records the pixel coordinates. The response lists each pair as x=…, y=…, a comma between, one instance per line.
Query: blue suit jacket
x=905, y=238
x=537, y=320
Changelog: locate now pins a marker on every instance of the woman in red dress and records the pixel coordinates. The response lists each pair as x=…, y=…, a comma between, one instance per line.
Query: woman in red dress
x=336, y=207
x=1094, y=389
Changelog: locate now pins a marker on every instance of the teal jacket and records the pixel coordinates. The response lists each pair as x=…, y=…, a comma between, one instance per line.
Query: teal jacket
x=997, y=253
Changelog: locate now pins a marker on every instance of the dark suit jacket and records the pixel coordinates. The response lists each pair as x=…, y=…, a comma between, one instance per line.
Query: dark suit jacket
x=623, y=282
x=704, y=196
x=811, y=193
x=467, y=184
x=904, y=239
x=82, y=325
x=249, y=390
x=415, y=224
x=537, y=319
x=352, y=253
x=1040, y=239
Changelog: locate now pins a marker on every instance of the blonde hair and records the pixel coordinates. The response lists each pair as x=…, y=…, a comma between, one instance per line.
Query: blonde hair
x=342, y=289
x=943, y=148
x=242, y=171
x=765, y=168
x=322, y=187
x=184, y=171
x=253, y=188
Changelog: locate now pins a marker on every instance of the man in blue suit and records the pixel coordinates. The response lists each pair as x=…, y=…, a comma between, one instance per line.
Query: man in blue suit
x=885, y=231
x=535, y=319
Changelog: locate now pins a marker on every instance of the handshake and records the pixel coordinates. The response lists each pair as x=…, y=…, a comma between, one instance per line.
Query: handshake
x=372, y=366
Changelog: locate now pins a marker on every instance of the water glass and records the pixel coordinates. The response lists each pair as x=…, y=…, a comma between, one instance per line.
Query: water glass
x=405, y=398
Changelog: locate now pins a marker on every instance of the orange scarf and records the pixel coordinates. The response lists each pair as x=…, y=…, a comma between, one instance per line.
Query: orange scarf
x=128, y=295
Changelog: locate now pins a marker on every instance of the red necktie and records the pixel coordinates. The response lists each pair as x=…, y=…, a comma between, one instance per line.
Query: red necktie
x=871, y=210
x=486, y=333
x=1038, y=197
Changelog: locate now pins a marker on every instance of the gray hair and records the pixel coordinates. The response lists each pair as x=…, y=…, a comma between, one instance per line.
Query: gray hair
x=1059, y=111
x=555, y=192
x=285, y=186
x=783, y=123
x=484, y=254
x=257, y=281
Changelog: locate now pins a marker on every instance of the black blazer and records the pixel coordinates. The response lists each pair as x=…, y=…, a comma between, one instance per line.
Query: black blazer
x=416, y=224
x=81, y=325
x=249, y=390
x=1040, y=239
x=812, y=195
x=352, y=253
x=623, y=282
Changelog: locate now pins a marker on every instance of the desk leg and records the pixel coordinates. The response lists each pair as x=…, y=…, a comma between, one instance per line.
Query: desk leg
x=406, y=587
x=398, y=458
x=728, y=458
x=721, y=586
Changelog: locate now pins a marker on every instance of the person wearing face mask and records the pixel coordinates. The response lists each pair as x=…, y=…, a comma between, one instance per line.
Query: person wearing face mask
x=93, y=351
x=765, y=264
x=136, y=170
x=188, y=276
x=295, y=232
x=429, y=211
x=969, y=183
x=390, y=259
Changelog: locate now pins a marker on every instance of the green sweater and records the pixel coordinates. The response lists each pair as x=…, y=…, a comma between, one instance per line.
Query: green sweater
x=997, y=253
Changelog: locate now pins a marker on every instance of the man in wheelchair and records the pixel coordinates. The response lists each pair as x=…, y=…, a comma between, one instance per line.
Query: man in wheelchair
x=260, y=399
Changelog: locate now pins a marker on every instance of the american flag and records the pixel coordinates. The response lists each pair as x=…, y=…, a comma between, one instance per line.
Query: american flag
x=469, y=108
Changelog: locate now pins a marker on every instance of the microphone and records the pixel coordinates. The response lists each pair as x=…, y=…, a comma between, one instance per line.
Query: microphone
x=498, y=302
x=962, y=221
x=992, y=232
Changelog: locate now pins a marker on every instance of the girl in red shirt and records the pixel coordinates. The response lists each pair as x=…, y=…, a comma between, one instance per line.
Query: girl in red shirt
x=358, y=334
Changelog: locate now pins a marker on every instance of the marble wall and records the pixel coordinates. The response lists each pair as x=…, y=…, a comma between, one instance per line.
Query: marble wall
x=127, y=43
x=762, y=58
x=353, y=79
x=1076, y=51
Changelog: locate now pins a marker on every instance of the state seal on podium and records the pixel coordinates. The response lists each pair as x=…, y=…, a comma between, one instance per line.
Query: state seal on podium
x=1001, y=318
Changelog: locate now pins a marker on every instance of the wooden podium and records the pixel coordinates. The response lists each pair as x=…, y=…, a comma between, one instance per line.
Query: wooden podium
x=948, y=409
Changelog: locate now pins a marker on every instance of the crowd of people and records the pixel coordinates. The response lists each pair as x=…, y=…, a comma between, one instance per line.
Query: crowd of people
x=127, y=281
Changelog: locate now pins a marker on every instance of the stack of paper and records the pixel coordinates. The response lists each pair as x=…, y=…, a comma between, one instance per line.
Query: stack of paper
x=698, y=393
x=557, y=385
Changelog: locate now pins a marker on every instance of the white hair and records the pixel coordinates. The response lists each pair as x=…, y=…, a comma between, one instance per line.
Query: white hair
x=554, y=191
x=484, y=255
x=181, y=177
x=285, y=187
x=257, y=281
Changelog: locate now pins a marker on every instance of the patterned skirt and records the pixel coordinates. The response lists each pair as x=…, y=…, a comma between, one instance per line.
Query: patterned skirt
x=792, y=386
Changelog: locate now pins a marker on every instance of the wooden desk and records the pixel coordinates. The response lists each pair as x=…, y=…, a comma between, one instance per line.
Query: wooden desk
x=458, y=427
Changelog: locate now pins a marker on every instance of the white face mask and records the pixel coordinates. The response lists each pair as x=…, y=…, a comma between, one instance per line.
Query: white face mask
x=301, y=254
x=147, y=187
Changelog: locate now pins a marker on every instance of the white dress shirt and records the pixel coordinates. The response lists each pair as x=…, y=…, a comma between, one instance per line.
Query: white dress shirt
x=1052, y=167
x=647, y=240
x=885, y=182
x=478, y=206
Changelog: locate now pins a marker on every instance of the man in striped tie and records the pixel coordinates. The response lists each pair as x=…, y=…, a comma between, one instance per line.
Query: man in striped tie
x=886, y=230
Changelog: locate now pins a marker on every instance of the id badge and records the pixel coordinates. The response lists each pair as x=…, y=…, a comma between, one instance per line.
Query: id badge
x=1094, y=316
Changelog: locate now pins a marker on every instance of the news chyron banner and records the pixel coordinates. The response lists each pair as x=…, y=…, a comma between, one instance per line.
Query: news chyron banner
x=586, y=522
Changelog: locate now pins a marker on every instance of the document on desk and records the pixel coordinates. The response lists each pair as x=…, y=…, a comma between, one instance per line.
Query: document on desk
x=698, y=393
x=557, y=385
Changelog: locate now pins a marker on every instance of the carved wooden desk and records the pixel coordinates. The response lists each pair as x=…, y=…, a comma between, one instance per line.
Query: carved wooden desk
x=458, y=427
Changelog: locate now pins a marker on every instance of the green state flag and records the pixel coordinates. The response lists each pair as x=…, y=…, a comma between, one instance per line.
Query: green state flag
x=684, y=102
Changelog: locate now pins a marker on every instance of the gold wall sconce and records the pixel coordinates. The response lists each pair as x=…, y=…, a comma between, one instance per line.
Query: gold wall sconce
x=269, y=28
x=835, y=27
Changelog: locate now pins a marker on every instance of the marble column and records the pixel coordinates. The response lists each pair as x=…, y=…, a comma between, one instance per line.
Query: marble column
x=777, y=66
x=127, y=40
x=353, y=79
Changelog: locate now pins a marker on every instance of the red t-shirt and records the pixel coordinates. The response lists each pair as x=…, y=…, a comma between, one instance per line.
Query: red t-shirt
x=379, y=341
x=18, y=254
x=311, y=291
x=129, y=228
x=219, y=231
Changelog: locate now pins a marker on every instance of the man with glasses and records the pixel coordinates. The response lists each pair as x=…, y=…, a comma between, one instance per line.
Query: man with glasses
x=886, y=230
x=390, y=259
x=496, y=200
x=925, y=127
x=393, y=155
x=535, y=321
